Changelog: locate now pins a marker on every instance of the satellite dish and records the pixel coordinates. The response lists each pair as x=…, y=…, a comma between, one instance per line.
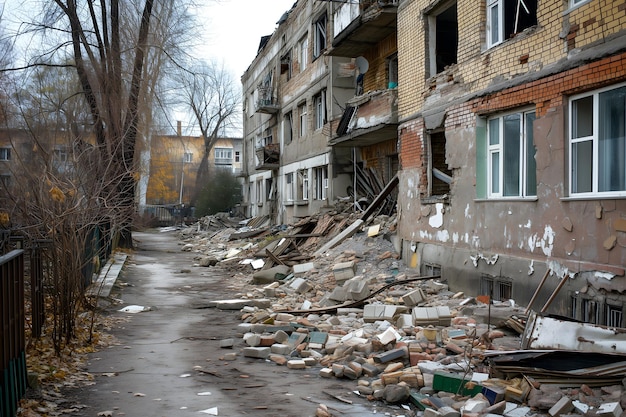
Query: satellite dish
x=362, y=65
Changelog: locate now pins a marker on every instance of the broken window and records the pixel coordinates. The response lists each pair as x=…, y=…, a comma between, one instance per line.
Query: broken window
x=511, y=166
x=319, y=40
x=321, y=182
x=392, y=71
x=259, y=192
x=304, y=52
x=589, y=311
x=269, y=189
x=319, y=101
x=440, y=177
x=286, y=65
x=288, y=127
x=5, y=154
x=303, y=184
x=506, y=18
x=443, y=37
x=303, y=119
x=597, y=143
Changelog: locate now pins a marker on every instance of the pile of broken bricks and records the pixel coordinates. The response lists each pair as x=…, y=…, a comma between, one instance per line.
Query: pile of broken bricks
x=416, y=344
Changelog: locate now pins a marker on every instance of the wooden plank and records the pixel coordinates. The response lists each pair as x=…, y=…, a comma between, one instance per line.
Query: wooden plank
x=380, y=198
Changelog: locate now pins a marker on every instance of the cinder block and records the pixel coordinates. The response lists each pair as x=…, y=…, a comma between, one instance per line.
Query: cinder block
x=227, y=343
x=388, y=336
x=392, y=354
x=375, y=312
x=338, y=294
x=256, y=352
x=296, y=364
x=344, y=271
x=357, y=289
x=475, y=405
x=301, y=268
x=562, y=406
x=404, y=321
x=414, y=297
x=281, y=349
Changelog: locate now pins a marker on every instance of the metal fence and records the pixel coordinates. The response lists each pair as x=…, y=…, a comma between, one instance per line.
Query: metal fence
x=13, y=342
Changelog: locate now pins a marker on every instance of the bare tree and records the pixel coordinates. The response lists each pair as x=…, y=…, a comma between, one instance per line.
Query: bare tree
x=214, y=98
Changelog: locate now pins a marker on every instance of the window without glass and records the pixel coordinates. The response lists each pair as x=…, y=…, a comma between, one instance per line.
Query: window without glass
x=319, y=101
x=321, y=182
x=288, y=127
x=440, y=176
x=286, y=65
x=506, y=18
x=319, y=40
x=443, y=37
x=392, y=71
x=303, y=184
x=511, y=163
x=304, y=53
x=303, y=119
x=597, y=143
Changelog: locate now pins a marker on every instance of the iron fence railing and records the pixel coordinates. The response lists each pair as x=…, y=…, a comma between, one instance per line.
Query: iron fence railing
x=13, y=342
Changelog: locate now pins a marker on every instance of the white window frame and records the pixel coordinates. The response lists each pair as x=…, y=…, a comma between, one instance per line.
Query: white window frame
x=223, y=153
x=303, y=182
x=594, y=139
x=495, y=29
x=259, y=191
x=289, y=186
x=497, y=156
x=303, y=117
x=320, y=38
x=321, y=182
x=304, y=52
x=495, y=9
x=5, y=154
x=319, y=102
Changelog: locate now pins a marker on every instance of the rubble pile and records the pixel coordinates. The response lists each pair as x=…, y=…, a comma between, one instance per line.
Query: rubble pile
x=357, y=313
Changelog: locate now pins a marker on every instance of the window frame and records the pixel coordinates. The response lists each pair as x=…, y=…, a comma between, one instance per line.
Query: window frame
x=321, y=182
x=303, y=184
x=303, y=119
x=320, y=38
x=500, y=151
x=289, y=187
x=502, y=20
x=288, y=127
x=303, y=46
x=5, y=153
x=188, y=157
x=218, y=153
x=319, y=104
x=595, y=140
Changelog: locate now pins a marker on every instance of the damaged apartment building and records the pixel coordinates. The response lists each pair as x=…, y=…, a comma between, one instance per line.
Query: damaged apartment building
x=513, y=150
x=502, y=121
x=320, y=104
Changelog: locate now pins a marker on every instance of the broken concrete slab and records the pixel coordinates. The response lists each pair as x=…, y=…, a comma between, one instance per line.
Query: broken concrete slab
x=239, y=303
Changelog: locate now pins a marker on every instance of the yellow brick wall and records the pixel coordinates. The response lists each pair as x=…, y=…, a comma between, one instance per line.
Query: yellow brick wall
x=558, y=31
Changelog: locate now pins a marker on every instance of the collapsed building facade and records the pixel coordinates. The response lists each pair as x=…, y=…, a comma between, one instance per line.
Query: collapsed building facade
x=504, y=125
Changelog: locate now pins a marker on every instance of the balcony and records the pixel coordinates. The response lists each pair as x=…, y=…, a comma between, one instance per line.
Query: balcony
x=361, y=25
x=268, y=157
x=269, y=106
x=368, y=119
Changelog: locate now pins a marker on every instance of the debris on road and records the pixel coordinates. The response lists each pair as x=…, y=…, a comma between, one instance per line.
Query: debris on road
x=331, y=293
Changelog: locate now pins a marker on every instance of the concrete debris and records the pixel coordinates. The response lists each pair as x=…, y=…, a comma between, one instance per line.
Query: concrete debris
x=333, y=295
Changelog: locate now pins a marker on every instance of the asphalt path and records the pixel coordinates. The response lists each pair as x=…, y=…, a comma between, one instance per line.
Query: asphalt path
x=169, y=362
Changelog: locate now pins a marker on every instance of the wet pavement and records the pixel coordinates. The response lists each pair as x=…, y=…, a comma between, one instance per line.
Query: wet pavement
x=168, y=360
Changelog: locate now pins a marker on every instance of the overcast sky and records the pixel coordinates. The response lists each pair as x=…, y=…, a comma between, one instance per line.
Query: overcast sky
x=235, y=27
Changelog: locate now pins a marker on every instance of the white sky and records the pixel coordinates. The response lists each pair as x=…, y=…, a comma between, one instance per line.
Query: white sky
x=235, y=27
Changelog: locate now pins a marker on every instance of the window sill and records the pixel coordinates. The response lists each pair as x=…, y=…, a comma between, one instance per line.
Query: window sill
x=435, y=199
x=507, y=200
x=594, y=197
x=302, y=203
x=288, y=203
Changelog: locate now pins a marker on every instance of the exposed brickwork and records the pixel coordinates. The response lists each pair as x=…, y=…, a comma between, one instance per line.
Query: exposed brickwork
x=548, y=92
x=558, y=31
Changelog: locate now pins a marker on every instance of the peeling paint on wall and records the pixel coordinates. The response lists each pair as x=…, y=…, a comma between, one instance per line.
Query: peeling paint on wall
x=547, y=243
x=560, y=270
x=489, y=261
x=467, y=212
x=436, y=220
x=531, y=267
